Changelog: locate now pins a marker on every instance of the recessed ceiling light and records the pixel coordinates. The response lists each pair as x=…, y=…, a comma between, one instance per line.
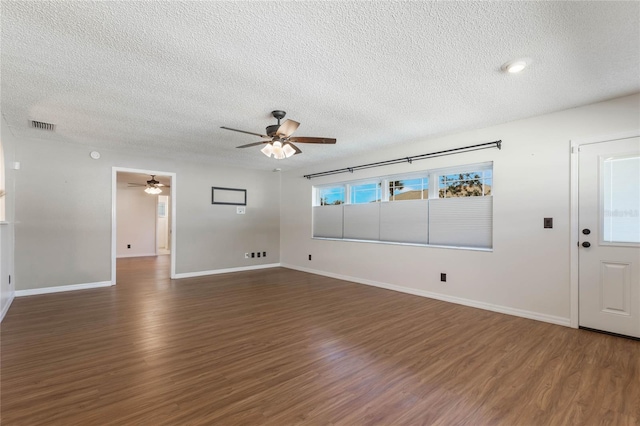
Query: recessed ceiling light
x=516, y=65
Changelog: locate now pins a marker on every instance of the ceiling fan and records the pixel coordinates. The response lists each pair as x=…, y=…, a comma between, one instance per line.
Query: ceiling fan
x=152, y=186
x=278, y=140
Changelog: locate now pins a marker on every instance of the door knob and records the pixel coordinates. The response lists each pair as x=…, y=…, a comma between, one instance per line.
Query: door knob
x=586, y=231
x=586, y=244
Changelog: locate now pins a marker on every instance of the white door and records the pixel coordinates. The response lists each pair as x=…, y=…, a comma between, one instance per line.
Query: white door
x=609, y=245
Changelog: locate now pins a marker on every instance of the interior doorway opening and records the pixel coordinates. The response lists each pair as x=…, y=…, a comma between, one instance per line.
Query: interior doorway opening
x=143, y=215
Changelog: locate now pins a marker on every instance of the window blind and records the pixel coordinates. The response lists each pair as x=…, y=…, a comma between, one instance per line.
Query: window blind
x=404, y=221
x=327, y=221
x=465, y=221
x=362, y=221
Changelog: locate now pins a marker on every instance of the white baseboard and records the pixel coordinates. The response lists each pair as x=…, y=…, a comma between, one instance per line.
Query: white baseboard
x=226, y=270
x=445, y=298
x=6, y=307
x=136, y=255
x=46, y=290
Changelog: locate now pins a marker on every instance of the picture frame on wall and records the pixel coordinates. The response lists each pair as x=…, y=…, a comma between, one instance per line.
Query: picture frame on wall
x=228, y=196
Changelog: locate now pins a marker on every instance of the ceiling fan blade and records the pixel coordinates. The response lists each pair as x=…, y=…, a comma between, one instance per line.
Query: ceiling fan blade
x=287, y=128
x=253, y=144
x=244, y=131
x=304, y=139
x=298, y=151
x=131, y=184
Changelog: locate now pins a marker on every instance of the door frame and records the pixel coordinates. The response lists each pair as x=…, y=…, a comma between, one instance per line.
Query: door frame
x=575, y=231
x=114, y=189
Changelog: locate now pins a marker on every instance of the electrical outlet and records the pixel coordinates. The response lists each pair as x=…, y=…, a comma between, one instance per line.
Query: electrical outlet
x=548, y=222
x=443, y=277
x=264, y=254
x=309, y=257
x=246, y=255
x=258, y=254
x=253, y=255
x=128, y=246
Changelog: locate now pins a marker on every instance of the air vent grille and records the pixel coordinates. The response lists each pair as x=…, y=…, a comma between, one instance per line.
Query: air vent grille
x=42, y=125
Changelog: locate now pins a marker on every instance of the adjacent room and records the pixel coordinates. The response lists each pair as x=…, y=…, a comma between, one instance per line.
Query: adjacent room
x=349, y=213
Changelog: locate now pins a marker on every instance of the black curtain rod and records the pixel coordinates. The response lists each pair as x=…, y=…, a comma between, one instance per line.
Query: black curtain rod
x=487, y=145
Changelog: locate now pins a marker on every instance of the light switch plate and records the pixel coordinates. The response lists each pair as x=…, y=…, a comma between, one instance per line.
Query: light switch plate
x=240, y=209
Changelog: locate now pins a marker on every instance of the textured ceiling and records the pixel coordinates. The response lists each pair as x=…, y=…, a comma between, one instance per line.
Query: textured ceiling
x=162, y=77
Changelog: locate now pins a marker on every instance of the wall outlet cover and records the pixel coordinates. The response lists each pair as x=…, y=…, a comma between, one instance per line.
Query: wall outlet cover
x=240, y=210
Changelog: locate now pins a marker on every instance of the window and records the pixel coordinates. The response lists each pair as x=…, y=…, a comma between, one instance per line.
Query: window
x=467, y=184
x=365, y=193
x=409, y=189
x=457, y=211
x=333, y=195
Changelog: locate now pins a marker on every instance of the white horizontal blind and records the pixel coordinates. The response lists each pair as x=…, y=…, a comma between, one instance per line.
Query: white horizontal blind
x=362, y=221
x=327, y=221
x=464, y=221
x=404, y=221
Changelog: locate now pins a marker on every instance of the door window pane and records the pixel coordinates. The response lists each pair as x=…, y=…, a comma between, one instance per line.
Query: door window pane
x=621, y=200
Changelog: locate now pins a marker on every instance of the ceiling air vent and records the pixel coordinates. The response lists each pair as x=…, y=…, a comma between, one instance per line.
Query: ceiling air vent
x=42, y=125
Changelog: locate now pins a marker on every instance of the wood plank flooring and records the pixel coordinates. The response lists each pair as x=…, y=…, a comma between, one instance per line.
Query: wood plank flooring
x=281, y=347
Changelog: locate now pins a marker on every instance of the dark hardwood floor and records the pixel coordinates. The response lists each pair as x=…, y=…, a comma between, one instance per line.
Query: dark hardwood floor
x=282, y=347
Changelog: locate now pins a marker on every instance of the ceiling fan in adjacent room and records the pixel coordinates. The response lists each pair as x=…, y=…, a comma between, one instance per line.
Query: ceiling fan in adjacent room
x=278, y=140
x=152, y=186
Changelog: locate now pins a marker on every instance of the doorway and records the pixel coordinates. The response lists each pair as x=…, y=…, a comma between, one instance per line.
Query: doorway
x=606, y=224
x=148, y=229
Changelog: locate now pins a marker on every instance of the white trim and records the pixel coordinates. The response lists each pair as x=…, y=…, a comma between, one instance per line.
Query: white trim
x=7, y=306
x=451, y=299
x=137, y=255
x=114, y=188
x=57, y=289
x=575, y=231
x=226, y=270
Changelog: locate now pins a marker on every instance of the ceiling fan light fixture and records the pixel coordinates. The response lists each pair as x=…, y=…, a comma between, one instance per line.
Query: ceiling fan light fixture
x=278, y=152
x=288, y=150
x=152, y=190
x=267, y=150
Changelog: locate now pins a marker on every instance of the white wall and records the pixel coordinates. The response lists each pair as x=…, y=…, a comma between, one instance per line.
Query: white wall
x=7, y=289
x=528, y=271
x=136, y=221
x=63, y=233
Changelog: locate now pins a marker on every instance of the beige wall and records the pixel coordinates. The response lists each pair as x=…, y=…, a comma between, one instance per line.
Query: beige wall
x=63, y=214
x=7, y=227
x=529, y=267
